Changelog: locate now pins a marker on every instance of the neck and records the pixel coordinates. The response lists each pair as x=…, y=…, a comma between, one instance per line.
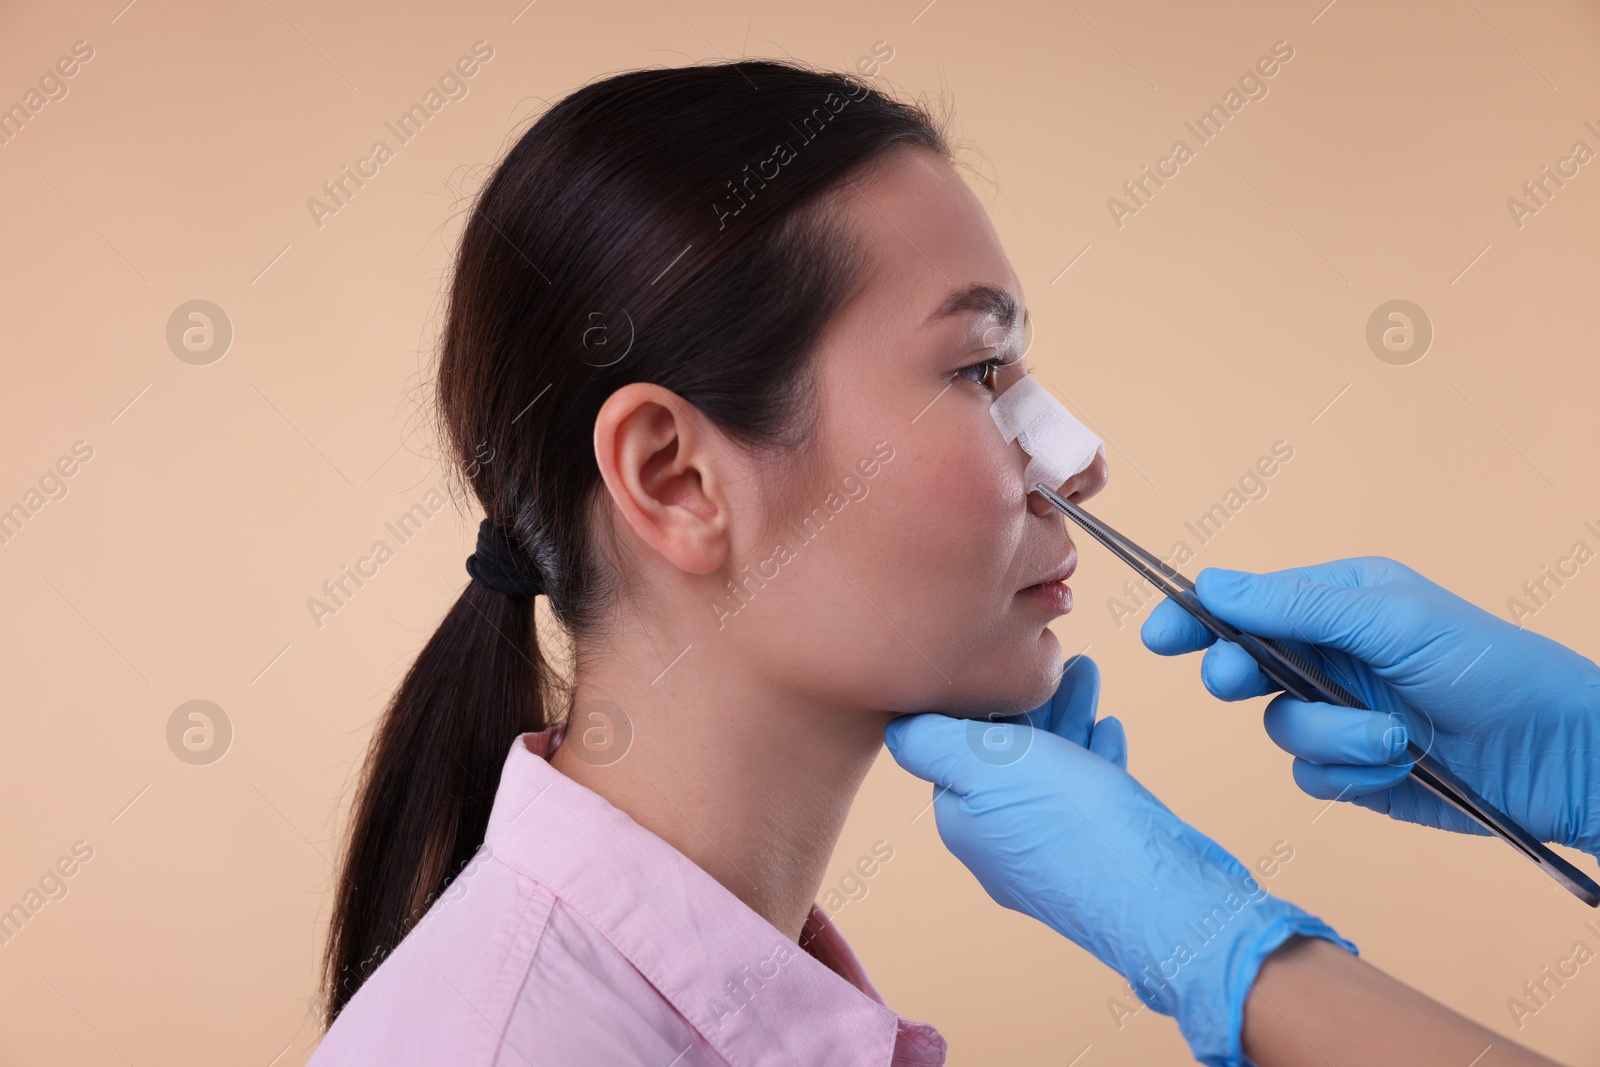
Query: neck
x=745, y=780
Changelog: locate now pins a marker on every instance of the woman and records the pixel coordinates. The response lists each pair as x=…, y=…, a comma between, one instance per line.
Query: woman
x=721, y=346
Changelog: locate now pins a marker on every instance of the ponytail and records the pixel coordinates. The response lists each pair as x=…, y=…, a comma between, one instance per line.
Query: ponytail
x=430, y=777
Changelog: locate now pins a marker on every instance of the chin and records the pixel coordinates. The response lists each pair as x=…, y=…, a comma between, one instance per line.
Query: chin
x=1011, y=683
x=1039, y=673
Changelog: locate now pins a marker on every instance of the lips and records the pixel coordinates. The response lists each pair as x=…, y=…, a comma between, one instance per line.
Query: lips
x=1063, y=571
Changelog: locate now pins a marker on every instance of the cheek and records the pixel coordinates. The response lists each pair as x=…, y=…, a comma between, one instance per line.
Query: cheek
x=949, y=547
x=954, y=518
x=908, y=598
x=981, y=476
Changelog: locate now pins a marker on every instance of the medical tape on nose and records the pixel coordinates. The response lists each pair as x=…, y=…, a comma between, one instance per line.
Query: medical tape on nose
x=1058, y=445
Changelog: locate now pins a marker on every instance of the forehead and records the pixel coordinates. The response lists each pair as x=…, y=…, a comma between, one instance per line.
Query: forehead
x=937, y=265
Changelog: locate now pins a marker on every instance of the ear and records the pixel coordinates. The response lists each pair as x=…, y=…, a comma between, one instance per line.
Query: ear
x=666, y=475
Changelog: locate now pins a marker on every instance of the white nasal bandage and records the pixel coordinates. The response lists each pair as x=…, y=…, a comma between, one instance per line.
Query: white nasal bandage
x=1057, y=444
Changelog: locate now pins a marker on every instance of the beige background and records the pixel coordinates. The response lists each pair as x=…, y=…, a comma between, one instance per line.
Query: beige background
x=1228, y=314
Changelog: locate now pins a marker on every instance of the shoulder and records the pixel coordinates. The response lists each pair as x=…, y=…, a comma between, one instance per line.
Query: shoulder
x=502, y=971
x=446, y=992
x=583, y=1002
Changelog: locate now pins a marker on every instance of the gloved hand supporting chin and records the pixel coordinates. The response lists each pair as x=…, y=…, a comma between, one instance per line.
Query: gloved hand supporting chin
x=1044, y=813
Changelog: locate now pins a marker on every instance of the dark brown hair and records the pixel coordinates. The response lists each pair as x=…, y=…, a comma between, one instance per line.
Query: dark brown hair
x=686, y=214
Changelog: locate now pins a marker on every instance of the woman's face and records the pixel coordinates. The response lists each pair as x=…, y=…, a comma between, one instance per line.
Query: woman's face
x=902, y=581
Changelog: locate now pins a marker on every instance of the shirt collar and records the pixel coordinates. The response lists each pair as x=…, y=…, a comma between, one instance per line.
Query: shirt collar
x=751, y=992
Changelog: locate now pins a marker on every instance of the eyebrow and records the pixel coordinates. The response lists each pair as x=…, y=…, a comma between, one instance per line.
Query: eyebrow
x=980, y=297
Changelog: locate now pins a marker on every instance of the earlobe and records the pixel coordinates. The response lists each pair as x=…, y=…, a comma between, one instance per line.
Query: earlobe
x=665, y=475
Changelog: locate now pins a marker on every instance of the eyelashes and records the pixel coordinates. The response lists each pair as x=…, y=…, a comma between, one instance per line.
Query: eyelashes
x=986, y=372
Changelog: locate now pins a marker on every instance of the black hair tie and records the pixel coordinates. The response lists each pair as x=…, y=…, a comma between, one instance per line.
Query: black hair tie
x=500, y=564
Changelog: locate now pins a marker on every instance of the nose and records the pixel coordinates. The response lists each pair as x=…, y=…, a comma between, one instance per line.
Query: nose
x=1078, y=488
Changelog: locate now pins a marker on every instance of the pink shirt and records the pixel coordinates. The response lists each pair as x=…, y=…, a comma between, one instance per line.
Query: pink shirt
x=576, y=937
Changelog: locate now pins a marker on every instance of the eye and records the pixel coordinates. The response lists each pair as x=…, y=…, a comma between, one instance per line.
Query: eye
x=986, y=373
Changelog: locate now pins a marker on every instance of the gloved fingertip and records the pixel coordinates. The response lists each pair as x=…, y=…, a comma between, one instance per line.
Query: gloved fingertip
x=1153, y=631
x=1227, y=593
x=892, y=732
x=1228, y=672
x=1078, y=670
x=1109, y=740
x=1171, y=631
x=1223, y=579
x=899, y=736
x=1162, y=633
x=935, y=748
x=1348, y=782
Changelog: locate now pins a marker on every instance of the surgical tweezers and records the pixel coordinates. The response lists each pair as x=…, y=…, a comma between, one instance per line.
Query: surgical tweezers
x=1296, y=675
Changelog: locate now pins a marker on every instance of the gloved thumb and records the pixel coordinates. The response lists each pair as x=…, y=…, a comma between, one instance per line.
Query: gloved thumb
x=1288, y=606
x=935, y=748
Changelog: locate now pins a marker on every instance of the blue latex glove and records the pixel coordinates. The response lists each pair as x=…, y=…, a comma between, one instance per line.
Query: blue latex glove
x=1042, y=810
x=1514, y=714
